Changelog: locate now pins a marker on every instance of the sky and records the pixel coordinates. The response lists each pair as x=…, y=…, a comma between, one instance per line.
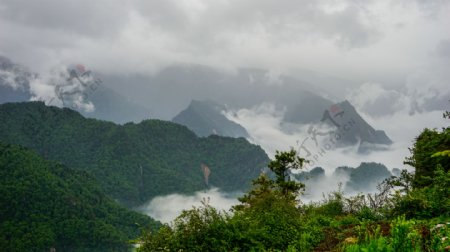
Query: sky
x=359, y=39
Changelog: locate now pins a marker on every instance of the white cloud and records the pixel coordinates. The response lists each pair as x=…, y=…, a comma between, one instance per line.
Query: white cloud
x=167, y=208
x=264, y=124
x=59, y=87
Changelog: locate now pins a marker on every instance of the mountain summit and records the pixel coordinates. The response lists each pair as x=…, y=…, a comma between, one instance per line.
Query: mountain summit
x=206, y=118
x=352, y=127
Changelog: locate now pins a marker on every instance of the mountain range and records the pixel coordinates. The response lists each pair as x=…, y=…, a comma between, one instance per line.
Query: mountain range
x=132, y=162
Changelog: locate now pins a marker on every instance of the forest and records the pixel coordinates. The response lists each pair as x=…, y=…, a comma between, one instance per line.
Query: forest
x=44, y=204
x=411, y=212
x=133, y=162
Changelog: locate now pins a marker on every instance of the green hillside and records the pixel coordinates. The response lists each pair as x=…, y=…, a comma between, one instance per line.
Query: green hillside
x=133, y=162
x=44, y=204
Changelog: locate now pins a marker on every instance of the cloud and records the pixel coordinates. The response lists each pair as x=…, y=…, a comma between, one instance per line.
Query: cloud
x=265, y=126
x=167, y=208
x=340, y=37
x=64, y=87
x=373, y=99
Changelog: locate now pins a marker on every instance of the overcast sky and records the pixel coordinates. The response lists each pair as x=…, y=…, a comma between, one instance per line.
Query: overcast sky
x=361, y=39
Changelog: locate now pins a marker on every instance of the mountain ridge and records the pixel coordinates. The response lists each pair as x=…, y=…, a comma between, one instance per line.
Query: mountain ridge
x=206, y=118
x=132, y=162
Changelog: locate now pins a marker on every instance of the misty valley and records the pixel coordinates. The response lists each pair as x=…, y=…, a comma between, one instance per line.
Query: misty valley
x=225, y=126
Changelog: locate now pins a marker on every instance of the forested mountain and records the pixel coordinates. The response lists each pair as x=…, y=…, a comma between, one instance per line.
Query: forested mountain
x=365, y=177
x=133, y=162
x=205, y=118
x=45, y=204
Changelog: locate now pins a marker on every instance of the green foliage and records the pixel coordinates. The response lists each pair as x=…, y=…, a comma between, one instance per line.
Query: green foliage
x=404, y=236
x=45, y=204
x=267, y=219
x=270, y=219
x=198, y=229
x=132, y=162
x=428, y=152
x=427, y=202
x=283, y=163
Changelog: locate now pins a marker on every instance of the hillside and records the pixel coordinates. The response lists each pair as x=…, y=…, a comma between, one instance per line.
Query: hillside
x=133, y=162
x=205, y=118
x=45, y=204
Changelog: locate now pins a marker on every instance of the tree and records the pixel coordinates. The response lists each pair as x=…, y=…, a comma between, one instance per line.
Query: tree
x=264, y=188
x=283, y=163
x=428, y=152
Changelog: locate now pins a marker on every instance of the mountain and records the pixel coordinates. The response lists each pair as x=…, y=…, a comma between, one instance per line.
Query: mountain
x=352, y=128
x=132, y=162
x=363, y=178
x=206, y=118
x=314, y=174
x=307, y=109
x=108, y=104
x=114, y=107
x=172, y=89
x=46, y=205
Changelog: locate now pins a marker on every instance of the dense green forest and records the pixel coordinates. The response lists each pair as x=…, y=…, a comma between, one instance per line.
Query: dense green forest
x=44, y=204
x=411, y=212
x=132, y=162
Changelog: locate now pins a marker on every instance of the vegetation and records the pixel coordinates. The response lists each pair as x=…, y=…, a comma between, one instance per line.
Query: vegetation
x=44, y=204
x=410, y=212
x=133, y=162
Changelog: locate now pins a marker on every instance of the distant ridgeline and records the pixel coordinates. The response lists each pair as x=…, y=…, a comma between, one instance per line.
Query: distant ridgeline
x=47, y=205
x=363, y=178
x=133, y=162
x=205, y=118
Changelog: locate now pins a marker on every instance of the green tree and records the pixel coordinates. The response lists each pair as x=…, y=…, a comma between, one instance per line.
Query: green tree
x=428, y=152
x=282, y=165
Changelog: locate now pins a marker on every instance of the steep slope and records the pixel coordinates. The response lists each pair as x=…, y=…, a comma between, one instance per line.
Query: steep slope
x=352, y=127
x=133, y=162
x=205, y=118
x=45, y=204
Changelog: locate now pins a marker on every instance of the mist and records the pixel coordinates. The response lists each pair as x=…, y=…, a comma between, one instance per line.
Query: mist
x=166, y=208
